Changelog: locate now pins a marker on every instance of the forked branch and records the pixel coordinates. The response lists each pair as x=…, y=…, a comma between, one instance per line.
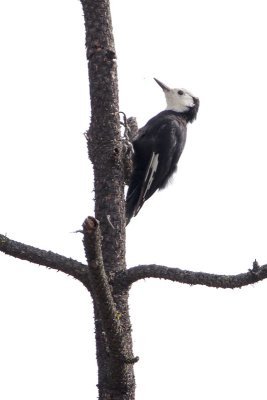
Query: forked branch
x=124, y=279
x=101, y=292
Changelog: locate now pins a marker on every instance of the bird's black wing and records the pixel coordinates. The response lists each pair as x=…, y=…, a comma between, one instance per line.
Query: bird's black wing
x=157, y=151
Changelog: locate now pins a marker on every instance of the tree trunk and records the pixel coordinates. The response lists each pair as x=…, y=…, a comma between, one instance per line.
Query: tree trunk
x=115, y=369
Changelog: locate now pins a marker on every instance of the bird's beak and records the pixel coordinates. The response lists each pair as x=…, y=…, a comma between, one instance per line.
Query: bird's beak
x=164, y=87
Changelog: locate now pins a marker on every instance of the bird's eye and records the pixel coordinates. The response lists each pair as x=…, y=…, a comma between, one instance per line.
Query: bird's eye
x=180, y=92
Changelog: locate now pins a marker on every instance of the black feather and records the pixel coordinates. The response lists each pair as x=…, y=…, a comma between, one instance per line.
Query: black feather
x=163, y=135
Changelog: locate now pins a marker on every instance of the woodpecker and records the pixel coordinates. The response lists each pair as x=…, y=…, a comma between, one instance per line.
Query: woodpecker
x=158, y=147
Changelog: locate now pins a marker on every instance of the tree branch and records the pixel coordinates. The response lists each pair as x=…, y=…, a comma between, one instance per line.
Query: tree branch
x=101, y=291
x=47, y=258
x=125, y=278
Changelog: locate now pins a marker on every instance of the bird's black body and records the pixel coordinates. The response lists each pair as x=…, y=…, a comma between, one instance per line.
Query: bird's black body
x=157, y=150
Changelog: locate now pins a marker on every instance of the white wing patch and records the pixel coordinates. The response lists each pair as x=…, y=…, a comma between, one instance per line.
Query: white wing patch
x=151, y=172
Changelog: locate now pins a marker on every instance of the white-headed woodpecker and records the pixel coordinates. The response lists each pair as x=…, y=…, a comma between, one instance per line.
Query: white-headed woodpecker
x=158, y=147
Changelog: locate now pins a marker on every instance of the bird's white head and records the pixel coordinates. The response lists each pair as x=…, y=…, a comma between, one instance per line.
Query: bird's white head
x=179, y=100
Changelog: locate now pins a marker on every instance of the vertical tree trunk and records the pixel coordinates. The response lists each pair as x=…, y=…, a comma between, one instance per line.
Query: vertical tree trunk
x=115, y=374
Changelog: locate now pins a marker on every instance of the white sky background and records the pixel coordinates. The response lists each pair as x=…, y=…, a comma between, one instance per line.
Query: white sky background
x=193, y=342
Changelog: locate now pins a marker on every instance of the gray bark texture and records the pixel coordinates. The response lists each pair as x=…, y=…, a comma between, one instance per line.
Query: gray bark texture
x=104, y=237
x=105, y=275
